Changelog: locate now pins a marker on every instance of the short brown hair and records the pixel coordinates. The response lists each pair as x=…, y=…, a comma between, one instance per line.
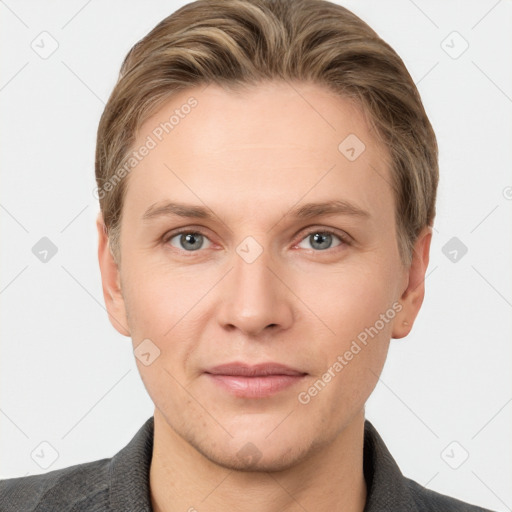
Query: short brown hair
x=244, y=42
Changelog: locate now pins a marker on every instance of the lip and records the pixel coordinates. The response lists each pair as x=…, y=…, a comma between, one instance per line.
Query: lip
x=254, y=381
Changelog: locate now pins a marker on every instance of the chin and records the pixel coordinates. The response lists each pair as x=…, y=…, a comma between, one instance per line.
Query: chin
x=250, y=459
x=259, y=455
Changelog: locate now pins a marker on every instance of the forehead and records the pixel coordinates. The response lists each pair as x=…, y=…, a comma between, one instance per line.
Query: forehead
x=278, y=141
x=300, y=116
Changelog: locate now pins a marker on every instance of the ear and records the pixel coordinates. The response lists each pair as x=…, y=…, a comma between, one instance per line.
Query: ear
x=414, y=292
x=111, y=282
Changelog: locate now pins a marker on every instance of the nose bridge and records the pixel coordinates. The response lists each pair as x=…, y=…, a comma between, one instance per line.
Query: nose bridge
x=253, y=298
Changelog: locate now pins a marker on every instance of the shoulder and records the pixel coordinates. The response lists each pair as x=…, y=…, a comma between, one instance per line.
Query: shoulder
x=389, y=489
x=119, y=483
x=76, y=488
x=427, y=500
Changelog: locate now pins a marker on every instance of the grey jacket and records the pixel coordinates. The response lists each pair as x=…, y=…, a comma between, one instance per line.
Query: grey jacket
x=121, y=484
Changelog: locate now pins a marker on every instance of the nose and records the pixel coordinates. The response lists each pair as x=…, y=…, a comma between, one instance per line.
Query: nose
x=255, y=298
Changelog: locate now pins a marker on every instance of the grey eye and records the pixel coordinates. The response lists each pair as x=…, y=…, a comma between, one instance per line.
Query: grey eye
x=189, y=241
x=320, y=240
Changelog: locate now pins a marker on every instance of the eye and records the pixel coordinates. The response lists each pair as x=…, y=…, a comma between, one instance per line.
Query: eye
x=321, y=240
x=189, y=241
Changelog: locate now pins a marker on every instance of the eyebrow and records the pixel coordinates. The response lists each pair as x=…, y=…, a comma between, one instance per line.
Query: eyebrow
x=306, y=211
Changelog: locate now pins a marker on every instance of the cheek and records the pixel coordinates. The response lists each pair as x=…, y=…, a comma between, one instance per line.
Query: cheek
x=356, y=304
x=168, y=308
x=352, y=359
x=157, y=298
x=348, y=300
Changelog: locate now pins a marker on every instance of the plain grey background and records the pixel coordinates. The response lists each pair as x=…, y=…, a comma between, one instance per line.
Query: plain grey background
x=70, y=388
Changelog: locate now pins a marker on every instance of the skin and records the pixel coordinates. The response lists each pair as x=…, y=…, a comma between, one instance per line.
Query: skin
x=250, y=157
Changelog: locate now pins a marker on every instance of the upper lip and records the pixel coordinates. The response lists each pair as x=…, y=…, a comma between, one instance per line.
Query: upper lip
x=257, y=370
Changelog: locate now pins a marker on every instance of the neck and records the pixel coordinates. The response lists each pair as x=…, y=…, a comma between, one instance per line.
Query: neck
x=330, y=478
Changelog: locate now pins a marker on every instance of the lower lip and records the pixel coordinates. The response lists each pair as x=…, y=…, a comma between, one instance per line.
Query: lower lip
x=255, y=387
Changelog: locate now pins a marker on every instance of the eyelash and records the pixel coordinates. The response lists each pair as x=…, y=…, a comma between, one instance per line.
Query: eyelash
x=344, y=239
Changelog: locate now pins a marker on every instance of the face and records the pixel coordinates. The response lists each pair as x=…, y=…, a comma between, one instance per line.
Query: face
x=255, y=233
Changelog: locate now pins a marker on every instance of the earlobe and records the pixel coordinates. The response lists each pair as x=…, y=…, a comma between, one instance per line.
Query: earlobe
x=110, y=279
x=414, y=292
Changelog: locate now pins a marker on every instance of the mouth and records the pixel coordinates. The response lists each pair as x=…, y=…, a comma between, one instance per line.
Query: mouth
x=254, y=381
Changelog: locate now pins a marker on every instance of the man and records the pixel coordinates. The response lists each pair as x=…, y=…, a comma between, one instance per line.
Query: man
x=267, y=179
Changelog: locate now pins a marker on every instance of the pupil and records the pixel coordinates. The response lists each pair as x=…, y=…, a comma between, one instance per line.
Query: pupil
x=323, y=240
x=189, y=239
